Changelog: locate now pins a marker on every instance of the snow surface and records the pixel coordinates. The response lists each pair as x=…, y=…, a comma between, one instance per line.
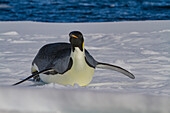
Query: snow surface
x=140, y=47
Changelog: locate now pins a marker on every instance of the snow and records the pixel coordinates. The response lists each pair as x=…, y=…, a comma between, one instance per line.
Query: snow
x=10, y=33
x=141, y=47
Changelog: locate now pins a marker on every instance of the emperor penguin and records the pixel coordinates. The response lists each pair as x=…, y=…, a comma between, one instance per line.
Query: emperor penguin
x=68, y=63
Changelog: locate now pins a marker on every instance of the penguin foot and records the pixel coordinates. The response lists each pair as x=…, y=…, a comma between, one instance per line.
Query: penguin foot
x=37, y=77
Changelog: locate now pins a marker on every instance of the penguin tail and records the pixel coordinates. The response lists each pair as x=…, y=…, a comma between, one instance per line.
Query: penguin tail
x=115, y=68
x=29, y=77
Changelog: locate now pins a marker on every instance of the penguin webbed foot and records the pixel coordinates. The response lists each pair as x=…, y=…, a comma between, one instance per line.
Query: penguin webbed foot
x=35, y=76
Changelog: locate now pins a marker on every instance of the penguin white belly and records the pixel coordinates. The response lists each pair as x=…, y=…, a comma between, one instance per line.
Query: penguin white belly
x=81, y=76
x=80, y=73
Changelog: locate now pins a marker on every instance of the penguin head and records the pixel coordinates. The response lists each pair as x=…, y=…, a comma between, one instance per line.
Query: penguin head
x=76, y=40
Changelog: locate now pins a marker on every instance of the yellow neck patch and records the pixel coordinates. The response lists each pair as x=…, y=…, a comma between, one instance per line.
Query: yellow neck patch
x=83, y=44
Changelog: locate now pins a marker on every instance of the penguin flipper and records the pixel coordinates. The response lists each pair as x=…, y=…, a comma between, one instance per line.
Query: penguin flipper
x=115, y=68
x=33, y=75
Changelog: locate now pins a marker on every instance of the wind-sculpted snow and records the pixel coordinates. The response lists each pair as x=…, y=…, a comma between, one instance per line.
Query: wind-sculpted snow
x=51, y=100
x=140, y=47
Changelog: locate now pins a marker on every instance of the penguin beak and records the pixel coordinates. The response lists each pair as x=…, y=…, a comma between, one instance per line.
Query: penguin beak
x=74, y=36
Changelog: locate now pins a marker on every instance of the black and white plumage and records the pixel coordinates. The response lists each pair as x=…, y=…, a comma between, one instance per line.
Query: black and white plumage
x=68, y=63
